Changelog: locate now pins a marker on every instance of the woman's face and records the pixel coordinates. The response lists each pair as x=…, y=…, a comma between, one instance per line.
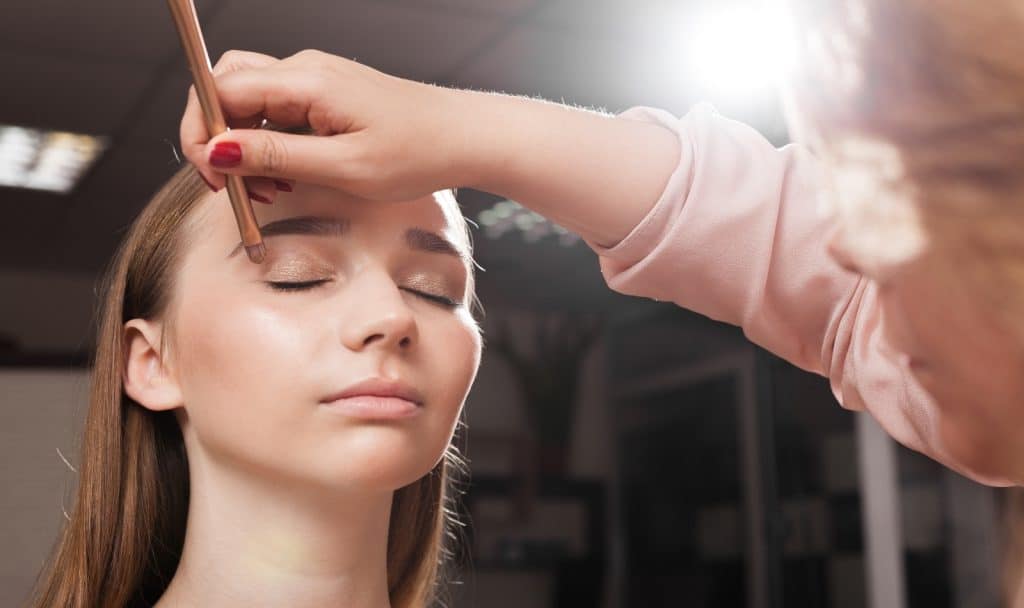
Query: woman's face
x=345, y=357
x=960, y=352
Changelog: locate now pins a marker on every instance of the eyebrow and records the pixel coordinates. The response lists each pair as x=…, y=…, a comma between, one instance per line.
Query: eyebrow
x=431, y=242
x=417, y=239
x=314, y=226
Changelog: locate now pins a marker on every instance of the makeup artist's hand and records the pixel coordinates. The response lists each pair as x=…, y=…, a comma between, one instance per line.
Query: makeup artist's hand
x=261, y=189
x=379, y=137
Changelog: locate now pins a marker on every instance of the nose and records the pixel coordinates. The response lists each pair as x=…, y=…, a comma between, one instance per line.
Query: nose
x=378, y=316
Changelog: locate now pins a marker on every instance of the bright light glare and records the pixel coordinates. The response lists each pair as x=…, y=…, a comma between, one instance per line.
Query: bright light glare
x=737, y=52
x=45, y=160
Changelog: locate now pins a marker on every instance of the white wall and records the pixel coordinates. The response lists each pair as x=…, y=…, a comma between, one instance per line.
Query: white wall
x=40, y=412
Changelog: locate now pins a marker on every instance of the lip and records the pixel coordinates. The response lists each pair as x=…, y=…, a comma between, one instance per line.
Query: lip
x=376, y=399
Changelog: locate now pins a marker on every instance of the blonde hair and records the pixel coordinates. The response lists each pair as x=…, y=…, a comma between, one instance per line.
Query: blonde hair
x=123, y=540
x=919, y=107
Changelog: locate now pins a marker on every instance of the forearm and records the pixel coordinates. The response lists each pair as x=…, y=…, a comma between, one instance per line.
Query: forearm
x=594, y=174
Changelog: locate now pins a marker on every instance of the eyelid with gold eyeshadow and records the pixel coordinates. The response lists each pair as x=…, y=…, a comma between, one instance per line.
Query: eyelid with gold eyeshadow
x=297, y=274
x=297, y=270
x=436, y=288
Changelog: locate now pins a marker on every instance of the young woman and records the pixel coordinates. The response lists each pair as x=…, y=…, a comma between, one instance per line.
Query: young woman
x=916, y=109
x=275, y=434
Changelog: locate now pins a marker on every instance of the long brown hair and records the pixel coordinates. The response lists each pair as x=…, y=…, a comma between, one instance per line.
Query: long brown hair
x=123, y=539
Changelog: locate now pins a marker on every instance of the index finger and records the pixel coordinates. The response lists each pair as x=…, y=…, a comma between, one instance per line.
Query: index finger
x=193, y=131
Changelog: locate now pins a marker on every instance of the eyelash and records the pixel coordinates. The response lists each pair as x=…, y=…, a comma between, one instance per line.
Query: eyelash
x=439, y=300
x=295, y=286
x=287, y=286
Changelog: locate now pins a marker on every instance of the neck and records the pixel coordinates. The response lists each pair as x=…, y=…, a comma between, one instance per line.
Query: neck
x=252, y=541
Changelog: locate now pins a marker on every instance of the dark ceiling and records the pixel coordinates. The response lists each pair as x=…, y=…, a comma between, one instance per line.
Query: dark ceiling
x=114, y=68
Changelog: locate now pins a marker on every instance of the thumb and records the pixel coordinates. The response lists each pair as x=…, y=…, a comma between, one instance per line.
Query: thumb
x=304, y=158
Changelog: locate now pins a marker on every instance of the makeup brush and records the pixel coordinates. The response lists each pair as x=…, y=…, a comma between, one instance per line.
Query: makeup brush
x=187, y=23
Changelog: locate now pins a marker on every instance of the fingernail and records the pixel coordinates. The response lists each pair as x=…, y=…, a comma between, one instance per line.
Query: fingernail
x=226, y=154
x=259, y=198
x=207, y=182
x=283, y=186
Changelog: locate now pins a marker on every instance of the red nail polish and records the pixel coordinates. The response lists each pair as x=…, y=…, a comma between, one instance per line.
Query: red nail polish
x=226, y=154
x=203, y=177
x=282, y=185
x=259, y=198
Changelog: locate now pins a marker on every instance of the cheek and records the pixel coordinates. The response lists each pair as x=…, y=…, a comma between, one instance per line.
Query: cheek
x=452, y=357
x=926, y=317
x=239, y=369
x=444, y=367
x=968, y=358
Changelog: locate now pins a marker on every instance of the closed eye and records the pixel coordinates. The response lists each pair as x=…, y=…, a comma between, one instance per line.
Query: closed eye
x=307, y=285
x=296, y=285
x=430, y=297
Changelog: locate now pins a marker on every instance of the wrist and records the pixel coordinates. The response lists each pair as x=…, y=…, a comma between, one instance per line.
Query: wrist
x=465, y=131
x=486, y=139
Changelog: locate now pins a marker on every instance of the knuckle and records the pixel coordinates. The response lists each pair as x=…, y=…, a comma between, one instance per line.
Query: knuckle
x=273, y=154
x=229, y=57
x=234, y=59
x=311, y=55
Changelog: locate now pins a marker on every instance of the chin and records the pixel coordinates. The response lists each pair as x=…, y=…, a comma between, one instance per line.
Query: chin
x=981, y=457
x=380, y=461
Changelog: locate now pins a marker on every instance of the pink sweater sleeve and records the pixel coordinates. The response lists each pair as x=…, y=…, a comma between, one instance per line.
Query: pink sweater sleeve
x=737, y=236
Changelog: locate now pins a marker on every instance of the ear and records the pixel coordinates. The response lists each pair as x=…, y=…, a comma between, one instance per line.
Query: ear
x=147, y=378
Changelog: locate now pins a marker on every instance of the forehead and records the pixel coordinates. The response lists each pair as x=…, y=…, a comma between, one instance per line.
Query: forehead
x=214, y=221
